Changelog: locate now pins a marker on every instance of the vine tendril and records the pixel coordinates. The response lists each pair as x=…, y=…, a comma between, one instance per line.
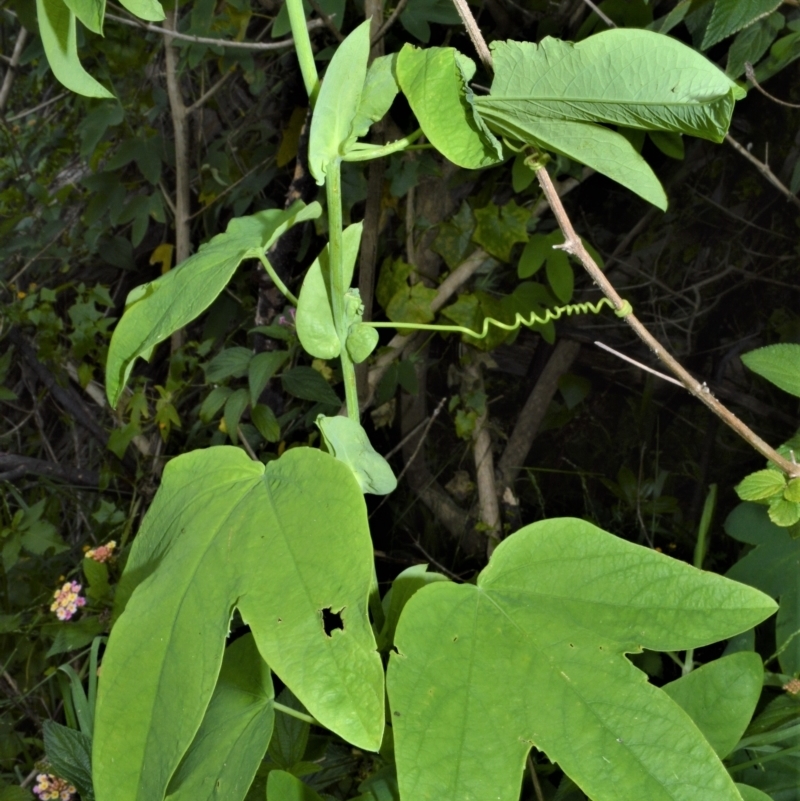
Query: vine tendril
x=519, y=320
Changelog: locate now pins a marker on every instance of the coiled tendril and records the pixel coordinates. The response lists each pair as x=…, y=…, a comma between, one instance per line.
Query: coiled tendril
x=519, y=320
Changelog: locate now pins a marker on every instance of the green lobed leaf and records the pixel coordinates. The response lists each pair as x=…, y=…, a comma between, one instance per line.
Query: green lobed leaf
x=281, y=543
x=720, y=697
x=635, y=78
x=378, y=94
x=89, y=12
x=346, y=440
x=69, y=753
x=760, y=485
x=731, y=16
x=534, y=656
x=282, y=786
x=498, y=229
x=315, y=327
x=150, y=10
x=58, y=31
x=338, y=102
x=434, y=84
x=236, y=729
x=155, y=310
x=779, y=364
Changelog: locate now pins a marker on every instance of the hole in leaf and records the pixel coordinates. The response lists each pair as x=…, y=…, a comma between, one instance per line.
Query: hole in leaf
x=331, y=621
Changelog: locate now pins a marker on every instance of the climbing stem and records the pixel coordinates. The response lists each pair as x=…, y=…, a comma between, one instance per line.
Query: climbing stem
x=276, y=279
x=333, y=189
x=363, y=151
x=302, y=46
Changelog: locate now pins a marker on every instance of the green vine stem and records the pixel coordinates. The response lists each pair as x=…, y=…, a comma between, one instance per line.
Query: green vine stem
x=302, y=46
x=333, y=189
x=363, y=151
x=276, y=280
x=519, y=320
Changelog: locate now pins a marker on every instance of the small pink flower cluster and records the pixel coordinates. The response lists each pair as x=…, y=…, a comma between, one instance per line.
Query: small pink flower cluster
x=51, y=788
x=286, y=321
x=102, y=553
x=67, y=601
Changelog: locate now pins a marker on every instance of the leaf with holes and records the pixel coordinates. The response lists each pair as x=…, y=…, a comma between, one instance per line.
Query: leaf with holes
x=235, y=732
x=154, y=311
x=58, y=30
x=779, y=364
x=731, y=16
x=533, y=655
x=280, y=543
x=434, y=81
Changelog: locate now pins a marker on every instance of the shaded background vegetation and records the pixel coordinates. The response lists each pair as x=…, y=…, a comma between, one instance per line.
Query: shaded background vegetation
x=97, y=198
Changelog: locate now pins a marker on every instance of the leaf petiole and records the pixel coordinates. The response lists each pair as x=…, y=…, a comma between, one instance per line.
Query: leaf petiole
x=276, y=279
x=362, y=151
x=287, y=710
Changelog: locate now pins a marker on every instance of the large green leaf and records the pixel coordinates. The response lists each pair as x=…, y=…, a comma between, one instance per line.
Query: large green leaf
x=534, y=656
x=779, y=364
x=434, y=81
x=150, y=10
x=58, y=31
x=720, y=697
x=338, y=102
x=635, y=78
x=730, y=16
x=283, y=544
x=155, y=310
x=235, y=732
x=315, y=328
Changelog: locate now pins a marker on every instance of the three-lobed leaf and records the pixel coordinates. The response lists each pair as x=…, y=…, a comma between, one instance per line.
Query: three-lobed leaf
x=155, y=310
x=779, y=364
x=236, y=729
x=281, y=543
x=534, y=656
x=720, y=697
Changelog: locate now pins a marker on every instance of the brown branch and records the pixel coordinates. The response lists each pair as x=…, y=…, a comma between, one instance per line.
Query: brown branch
x=764, y=169
x=608, y=21
x=18, y=466
x=329, y=24
x=384, y=29
x=8, y=78
x=282, y=44
x=474, y=33
x=574, y=245
x=751, y=76
x=533, y=412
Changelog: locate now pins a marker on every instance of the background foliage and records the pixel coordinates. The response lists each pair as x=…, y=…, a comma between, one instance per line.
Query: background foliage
x=100, y=195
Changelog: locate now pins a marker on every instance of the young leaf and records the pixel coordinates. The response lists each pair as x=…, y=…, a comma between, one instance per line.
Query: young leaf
x=730, y=16
x=783, y=513
x=779, y=364
x=281, y=543
x=761, y=485
x=348, y=442
x=155, y=310
x=534, y=655
x=634, y=78
x=89, y=12
x=282, y=786
x=145, y=9
x=235, y=732
x=338, y=102
x=378, y=94
x=58, y=31
x=315, y=328
x=435, y=85
x=307, y=384
x=720, y=697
